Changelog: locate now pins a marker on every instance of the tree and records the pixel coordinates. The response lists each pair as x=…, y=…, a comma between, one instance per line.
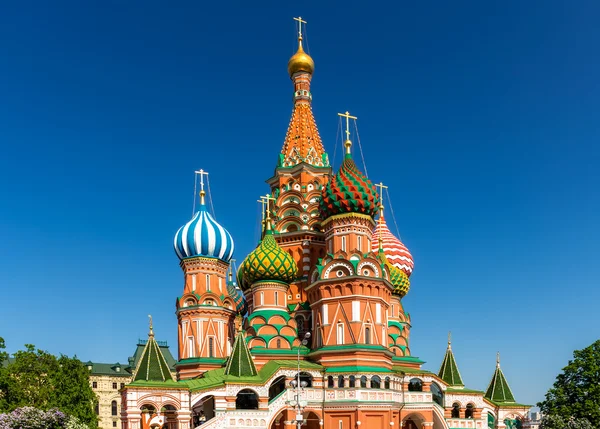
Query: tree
x=576, y=391
x=37, y=379
x=557, y=422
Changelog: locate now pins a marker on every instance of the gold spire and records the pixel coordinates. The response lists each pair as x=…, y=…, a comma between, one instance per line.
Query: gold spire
x=348, y=142
x=300, y=61
x=449, y=340
x=151, y=333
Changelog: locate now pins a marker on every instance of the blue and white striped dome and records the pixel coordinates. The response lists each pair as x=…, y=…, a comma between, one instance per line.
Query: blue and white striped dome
x=203, y=236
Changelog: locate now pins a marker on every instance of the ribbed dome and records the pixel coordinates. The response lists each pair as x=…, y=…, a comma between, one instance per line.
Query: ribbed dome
x=203, y=236
x=349, y=191
x=395, y=251
x=269, y=262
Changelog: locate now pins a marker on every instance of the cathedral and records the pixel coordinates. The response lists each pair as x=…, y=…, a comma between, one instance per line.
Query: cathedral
x=310, y=330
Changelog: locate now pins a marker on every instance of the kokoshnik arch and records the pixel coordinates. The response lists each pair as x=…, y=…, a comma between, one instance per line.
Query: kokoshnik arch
x=327, y=265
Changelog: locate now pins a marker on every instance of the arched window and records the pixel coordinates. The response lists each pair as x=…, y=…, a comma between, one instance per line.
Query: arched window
x=340, y=381
x=330, y=381
x=437, y=394
x=278, y=342
x=375, y=382
x=363, y=381
x=277, y=387
x=113, y=408
x=455, y=410
x=246, y=399
x=367, y=335
x=352, y=381
x=415, y=385
x=306, y=377
x=386, y=384
x=469, y=411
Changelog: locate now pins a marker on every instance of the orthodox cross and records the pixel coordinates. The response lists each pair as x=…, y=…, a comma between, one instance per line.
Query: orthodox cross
x=266, y=202
x=300, y=22
x=498, y=360
x=347, y=115
x=263, y=203
x=201, y=173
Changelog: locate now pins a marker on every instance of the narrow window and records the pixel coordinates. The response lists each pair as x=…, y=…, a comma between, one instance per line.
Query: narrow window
x=94, y=385
x=115, y=424
x=352, y=381
x=375, y=382
x=276, y=298
x=325, y=314
x=378, y=312
x=387, y=383
x=278, y=343
x=367, y=335
x=122, y=385
x=97, y=408
x=114, y=385
x=340, y=424
x=469, y=411
x=113, y=408
x=363, y=381
x=456, y=410
x=191, y=347
x=344, y=243
x=340, y=333
x=193, y=282
x=330, y=246
x=262, y=298
x=211, y=347
x=356, y=311
x=340, y=381
x=359, y=239
x=208, y=283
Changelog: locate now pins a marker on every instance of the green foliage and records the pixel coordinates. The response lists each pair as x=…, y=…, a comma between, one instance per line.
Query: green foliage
x=557, y=422
x=576, y=391
x=35, y=378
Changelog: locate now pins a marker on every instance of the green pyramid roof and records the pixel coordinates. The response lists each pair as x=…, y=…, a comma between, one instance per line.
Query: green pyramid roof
x=152, y=366
x=240, y=363
x=498, y=390
x=449, y=370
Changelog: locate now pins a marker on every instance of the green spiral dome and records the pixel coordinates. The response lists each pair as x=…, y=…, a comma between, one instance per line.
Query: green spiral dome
x=268, y=262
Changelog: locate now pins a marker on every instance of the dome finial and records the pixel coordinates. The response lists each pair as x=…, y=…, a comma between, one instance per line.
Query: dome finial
x=202, y=173
x=300, y=61
x=348, y=142
x=449, y=340
x=151, y=333
x=498, y=360
x=381, y=187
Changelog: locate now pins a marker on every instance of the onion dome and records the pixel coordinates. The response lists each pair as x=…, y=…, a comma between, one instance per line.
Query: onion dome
x=269, y=262
x=349, y=191
x=300, y=61
x=395, y=251
x=203, y=236
x=240, y=277
x=237, y=295
x=398, y=278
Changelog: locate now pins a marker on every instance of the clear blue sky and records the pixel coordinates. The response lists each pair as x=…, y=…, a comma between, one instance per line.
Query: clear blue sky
x=482, y=117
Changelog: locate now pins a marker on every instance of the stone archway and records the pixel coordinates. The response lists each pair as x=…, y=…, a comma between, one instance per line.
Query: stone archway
x=413, y=421
x=312, y=420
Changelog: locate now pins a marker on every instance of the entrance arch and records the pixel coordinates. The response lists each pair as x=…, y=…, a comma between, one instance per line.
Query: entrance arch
x=203, y=410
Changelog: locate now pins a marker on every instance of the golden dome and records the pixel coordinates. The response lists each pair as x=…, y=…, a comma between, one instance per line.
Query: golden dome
x=301, y=61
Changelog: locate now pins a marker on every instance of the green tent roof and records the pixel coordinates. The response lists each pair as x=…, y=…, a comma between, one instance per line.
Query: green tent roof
x=449, y=370
x=240, y=363
x=498, y=390
x=152, y=365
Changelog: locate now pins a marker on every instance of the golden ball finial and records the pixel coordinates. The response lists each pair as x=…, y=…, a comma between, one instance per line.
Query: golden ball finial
x=300, y=61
